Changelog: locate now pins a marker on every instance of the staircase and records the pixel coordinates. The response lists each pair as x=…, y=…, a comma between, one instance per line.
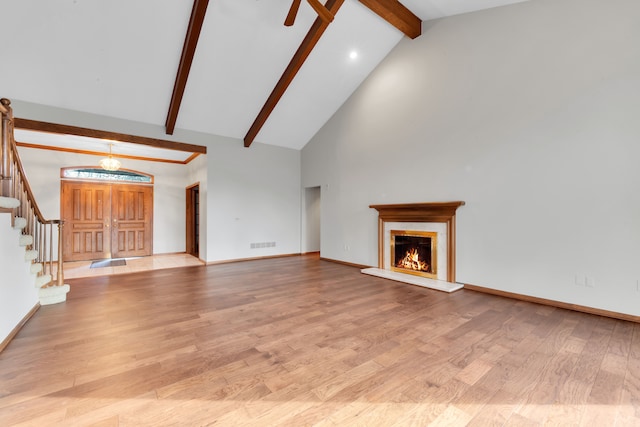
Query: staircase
x=49, y=292
x=35, y=236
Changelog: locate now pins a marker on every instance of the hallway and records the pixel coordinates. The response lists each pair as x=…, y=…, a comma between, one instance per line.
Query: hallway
x=76, y=269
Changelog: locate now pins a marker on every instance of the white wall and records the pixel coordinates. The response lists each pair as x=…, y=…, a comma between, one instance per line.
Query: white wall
x=529, y=114
x=253, y=196
x=18, y=294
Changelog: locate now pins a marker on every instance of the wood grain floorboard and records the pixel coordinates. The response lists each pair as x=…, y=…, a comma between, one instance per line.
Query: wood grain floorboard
x=298, y=341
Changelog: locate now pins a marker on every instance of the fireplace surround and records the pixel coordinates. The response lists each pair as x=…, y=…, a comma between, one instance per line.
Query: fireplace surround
x=438, y=219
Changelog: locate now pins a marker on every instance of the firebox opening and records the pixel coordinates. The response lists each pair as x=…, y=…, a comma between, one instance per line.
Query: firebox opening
x=414, y=252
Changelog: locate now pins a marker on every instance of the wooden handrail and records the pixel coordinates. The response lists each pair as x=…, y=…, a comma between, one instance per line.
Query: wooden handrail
x=27, y=189
x=14, y=184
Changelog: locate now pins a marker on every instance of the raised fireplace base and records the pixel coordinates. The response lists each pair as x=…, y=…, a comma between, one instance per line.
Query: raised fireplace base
x=439, y=285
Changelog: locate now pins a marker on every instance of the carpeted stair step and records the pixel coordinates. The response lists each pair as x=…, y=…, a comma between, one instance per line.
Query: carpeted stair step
x=26, y=240
x=53, y=294
x=9, y=202
x=19, y=223
x=36, y=268
x=45, y=279
x=30, y=255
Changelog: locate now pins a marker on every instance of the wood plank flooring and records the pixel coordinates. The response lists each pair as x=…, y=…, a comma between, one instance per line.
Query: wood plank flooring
x=298, y=341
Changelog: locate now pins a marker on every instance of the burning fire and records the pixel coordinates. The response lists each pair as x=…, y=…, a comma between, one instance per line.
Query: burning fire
x=412, y=261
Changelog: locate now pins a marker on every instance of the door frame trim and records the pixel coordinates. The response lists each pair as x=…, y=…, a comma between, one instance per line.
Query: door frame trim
x=189, y=222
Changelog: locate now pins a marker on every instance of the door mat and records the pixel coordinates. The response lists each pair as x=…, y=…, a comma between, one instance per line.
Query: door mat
x=108, y=263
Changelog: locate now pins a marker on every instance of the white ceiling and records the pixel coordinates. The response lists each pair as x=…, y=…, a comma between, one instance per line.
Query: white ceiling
x=119, y=58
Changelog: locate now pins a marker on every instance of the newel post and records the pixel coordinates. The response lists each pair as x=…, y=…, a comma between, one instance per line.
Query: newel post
x=5, y=148
x=60, y=278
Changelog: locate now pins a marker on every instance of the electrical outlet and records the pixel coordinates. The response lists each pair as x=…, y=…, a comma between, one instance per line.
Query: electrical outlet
x=638, y=285
x=590, y=282
x=346, y=247
x=580, y=280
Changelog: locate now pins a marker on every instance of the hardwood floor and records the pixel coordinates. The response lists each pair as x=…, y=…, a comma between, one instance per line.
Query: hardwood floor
x=76, y=269
x=298, y=341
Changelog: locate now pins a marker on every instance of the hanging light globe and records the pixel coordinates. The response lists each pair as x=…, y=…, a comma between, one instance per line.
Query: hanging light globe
x=109, y=163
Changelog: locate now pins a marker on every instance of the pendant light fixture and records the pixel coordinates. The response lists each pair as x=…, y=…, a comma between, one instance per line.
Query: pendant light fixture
x=109, y=163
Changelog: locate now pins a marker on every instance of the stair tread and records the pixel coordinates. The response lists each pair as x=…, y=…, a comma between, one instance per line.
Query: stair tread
x=9, y=202
x=19, y=223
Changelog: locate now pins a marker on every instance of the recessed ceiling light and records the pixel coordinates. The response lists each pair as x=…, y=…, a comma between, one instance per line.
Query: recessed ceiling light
x=353, y=54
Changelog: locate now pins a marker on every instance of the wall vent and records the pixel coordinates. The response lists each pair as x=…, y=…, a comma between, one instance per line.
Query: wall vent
x=263, y=245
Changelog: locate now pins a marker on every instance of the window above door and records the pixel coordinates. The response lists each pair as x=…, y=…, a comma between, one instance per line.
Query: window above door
x=89, y=173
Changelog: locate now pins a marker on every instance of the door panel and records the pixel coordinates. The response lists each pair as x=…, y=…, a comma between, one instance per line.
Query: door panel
x=106, y=220
x=132, y=220
x=85, y=211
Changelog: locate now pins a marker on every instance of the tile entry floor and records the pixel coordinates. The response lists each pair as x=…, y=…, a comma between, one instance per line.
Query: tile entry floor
x=75, y=269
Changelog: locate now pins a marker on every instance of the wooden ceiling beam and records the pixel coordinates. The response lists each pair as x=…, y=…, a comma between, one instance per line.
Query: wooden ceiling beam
x=321, y=10
x=105, y=153
x=188, y=52
x=101, y=134
x=397, y=15
x=307, y=45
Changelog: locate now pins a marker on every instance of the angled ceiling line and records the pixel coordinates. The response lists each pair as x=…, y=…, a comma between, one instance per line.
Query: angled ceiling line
x=396, y=14
x=36, y=125
x=186, y=59
x=307, y=45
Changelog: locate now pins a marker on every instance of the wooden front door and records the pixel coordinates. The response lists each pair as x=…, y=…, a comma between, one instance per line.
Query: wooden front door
x=86, y=211
x=104, y=220
x=131, y=211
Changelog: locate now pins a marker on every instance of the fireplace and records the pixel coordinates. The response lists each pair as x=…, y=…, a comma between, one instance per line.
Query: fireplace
x=421, y=237
x=414, y=252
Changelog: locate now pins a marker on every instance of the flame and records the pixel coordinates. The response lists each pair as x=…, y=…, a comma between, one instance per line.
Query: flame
x=412, y=261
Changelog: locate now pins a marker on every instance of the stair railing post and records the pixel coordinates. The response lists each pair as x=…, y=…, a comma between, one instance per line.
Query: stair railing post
x=60, y=274
x=50, y=249
x=5, y=149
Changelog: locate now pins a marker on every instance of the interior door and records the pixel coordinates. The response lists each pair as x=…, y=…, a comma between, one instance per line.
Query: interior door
x=103, y=220
x=193, y=220
x=132, y=212
x=86, y=211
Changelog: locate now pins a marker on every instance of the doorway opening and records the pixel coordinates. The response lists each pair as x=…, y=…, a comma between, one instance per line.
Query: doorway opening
x=311, y=220
x=193, y=220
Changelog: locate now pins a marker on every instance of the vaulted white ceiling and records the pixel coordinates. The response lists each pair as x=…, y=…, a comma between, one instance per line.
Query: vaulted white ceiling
x=119, y=58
